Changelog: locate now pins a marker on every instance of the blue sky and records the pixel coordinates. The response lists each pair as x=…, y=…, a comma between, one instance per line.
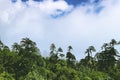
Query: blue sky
x=79, y=23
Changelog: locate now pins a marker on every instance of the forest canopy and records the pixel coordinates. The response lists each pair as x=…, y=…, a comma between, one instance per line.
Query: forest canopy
x=25, y=62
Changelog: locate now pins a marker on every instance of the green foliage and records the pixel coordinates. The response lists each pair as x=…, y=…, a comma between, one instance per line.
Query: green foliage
x=70, y=58
x=6, y=76
x=34, y=75
x=87, y=78
x=107, y=57
x=24, y=62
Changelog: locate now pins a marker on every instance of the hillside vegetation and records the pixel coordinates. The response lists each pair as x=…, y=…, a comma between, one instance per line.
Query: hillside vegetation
x=25, y=62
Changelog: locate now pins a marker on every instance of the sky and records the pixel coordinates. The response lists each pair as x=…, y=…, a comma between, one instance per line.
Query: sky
x=79, y=23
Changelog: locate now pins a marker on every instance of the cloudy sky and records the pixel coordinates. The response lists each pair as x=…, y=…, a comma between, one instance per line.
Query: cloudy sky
x=79, y=23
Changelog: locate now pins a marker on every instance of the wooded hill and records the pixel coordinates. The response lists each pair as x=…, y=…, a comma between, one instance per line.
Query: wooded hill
x=25, y=62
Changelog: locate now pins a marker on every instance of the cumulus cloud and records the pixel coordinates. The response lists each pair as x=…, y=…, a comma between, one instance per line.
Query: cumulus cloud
x=80, y=28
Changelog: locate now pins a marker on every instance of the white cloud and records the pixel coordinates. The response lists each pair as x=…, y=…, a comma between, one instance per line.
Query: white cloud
x=50, y=7
x=78, y=28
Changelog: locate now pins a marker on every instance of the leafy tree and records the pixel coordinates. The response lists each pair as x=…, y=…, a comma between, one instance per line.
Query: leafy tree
x=59, y=52
x=28, y=46
x=53, y=54
x=16, y=48
x=1, y=45
x=52, y=49
x=89, y=51
x=70, y=57
x=28, y=55
x=88, y=61
x=107, y=57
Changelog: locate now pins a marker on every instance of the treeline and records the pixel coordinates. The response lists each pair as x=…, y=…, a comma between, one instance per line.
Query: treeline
x=25, y=62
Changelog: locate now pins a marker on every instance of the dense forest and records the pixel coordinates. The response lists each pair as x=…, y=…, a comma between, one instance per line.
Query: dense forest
x=24, y=62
